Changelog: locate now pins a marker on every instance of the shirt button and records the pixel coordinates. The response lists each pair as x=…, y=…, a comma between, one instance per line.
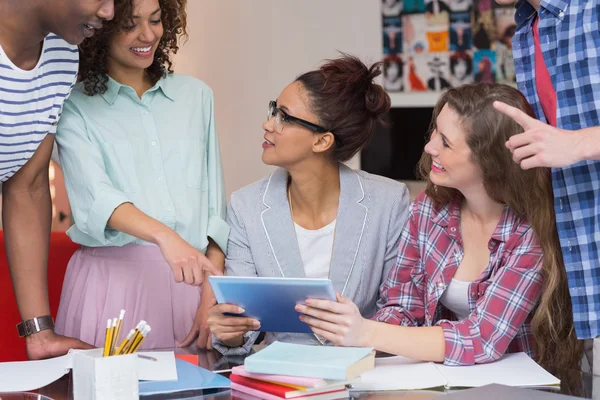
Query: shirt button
x=453, y=229
x=441, y=284
x=473, y=294
x=160, y=178
x=561, y=14
x=153, y=143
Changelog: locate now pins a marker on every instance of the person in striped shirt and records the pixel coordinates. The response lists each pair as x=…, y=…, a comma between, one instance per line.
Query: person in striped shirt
x=38, y=67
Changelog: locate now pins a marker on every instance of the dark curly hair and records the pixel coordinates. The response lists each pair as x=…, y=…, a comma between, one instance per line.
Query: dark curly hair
x=93, y=52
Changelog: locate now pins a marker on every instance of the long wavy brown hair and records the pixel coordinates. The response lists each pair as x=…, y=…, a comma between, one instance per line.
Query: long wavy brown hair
x=528, y=193
x=93, y=52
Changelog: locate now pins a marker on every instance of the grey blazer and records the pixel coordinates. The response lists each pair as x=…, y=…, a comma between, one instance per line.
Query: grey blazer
x=262, y=242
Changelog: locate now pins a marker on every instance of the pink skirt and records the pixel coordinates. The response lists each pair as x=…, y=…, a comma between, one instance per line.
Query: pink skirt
x=101, y=281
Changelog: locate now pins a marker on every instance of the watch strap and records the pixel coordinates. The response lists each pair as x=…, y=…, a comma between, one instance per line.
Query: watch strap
x=35, y=325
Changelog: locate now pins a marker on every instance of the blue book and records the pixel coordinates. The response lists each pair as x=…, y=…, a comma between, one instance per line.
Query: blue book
x=325, y=362
x=190, y=378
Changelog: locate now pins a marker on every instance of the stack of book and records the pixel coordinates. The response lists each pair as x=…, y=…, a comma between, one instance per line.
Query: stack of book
x=292, y=371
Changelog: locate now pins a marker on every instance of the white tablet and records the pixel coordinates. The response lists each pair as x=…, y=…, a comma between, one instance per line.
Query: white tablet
x=271, y=300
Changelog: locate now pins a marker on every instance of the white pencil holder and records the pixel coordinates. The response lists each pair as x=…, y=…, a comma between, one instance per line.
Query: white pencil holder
x=104, y=378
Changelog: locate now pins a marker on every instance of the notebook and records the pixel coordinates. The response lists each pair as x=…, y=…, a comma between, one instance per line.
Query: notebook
x=266, y=396
x=297, y=382
x=400, y=373
x=190, y=377
x=325, y=362
x=285, y=392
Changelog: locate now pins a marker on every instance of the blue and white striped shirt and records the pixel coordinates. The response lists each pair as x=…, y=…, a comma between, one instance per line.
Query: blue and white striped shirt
x=31, y=101
x=570, y=41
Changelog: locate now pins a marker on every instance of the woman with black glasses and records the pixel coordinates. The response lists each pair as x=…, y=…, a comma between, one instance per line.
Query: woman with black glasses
x=314, y=217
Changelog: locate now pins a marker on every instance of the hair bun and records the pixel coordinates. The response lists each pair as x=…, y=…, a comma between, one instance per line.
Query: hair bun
x=377, y=101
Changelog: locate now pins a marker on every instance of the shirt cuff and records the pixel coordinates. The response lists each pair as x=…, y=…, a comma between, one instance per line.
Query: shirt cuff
x=459, y=345
x=218, y=230
x=243, y=350
x=104, y=205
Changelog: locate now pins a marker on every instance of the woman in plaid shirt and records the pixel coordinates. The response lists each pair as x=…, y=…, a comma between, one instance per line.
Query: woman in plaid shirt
x=479, y=269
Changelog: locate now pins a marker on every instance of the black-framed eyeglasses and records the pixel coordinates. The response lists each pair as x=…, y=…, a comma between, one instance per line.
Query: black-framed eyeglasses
x=281, y=117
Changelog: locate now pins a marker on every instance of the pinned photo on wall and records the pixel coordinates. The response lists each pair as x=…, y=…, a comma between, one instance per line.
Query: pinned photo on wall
x=414, y=34
x=484, y=65
x=461, y=37
x=505, y=29
x=392, y=35
x=438, y=40
x=417, y=73
x=437, y=13
x=391, y=8
x=393, y=73
x=414, y=6
x=458, y=6
x=484, y=31
x=483, y=24
x=438, y=72
x=461, y=68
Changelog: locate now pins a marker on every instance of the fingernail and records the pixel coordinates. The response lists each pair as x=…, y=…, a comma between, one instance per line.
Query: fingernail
x=241, y=310
x=301, y=318
x=256, y=325
x=298, y=307
x=308, y=301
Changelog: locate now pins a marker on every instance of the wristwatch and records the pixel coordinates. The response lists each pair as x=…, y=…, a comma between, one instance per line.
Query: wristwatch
x=35, y=325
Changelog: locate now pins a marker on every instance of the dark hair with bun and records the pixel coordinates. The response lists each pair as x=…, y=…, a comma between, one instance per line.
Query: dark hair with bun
x=344, y=98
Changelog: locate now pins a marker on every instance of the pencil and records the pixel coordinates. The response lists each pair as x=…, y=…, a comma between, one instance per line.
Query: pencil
x=107, y=339
x=137, y=345
x=138, y=331
x=142, y=356
x=113, y=328
x=125, y=342
x=117, y=332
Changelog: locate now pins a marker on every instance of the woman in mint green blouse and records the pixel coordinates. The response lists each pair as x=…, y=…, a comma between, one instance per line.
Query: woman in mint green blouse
x=143, y=172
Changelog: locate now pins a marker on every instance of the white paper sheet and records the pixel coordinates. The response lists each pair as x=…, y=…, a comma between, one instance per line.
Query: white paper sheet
x=516, y=369
x=399, y=373
x=23, y=376
x=164, y=369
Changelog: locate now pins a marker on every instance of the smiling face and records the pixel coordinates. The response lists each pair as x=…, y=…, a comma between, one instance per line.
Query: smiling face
x=75, y=20
x=133, y=47
x=452, y=164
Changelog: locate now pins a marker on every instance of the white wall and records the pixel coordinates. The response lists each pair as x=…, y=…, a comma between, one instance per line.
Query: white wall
x=249, y=50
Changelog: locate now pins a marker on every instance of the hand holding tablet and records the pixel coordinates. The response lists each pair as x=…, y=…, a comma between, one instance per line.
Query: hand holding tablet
x=271, y=300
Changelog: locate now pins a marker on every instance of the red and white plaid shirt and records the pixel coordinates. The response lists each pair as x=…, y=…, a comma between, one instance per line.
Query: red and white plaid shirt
x=501, y=300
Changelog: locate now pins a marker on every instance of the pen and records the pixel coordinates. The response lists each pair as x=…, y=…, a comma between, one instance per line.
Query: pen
x=107, y=339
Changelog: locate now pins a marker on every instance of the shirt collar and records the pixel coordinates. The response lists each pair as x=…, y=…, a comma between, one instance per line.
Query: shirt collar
x=525, y=11
x=113, y=88
x=448, y=216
